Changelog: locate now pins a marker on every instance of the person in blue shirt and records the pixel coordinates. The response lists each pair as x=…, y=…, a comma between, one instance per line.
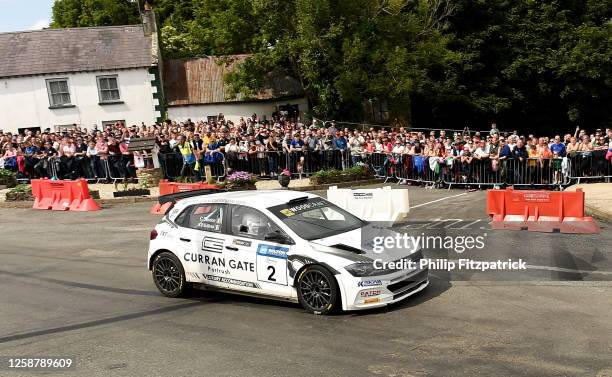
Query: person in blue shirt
x=340, y=142
x=558, y=147
x=340, y=145
x=30, y=151
x=297, y=144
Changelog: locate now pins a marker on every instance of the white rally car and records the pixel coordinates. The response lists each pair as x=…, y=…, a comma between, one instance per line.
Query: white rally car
x=283, y=245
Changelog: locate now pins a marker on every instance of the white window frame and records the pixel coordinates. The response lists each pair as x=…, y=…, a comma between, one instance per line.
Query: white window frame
x=116, y=77
x=50, y=94
x=64, y=127
x=111, y=122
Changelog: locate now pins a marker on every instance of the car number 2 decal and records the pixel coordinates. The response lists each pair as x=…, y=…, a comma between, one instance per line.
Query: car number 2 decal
x=272, y=264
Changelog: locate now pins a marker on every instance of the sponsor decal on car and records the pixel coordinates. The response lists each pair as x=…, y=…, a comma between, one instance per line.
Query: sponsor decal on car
x=369, y=283
x=272, y=251
x=370, y=293
x=241, y=243
x=212, y=244
x=287, y=212
x=226, y=280
x=212, y=261
x=371, y=300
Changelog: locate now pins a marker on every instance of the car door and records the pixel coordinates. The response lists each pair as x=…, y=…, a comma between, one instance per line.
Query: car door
x=259, y=264
x=203, y=237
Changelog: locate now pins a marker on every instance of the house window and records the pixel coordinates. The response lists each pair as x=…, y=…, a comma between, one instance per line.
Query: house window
x=106, y=123
x=64, y=127
x=59, y=95
x=108, y=89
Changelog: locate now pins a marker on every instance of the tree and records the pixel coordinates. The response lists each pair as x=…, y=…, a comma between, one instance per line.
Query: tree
x=348, y=51
x=78, y=13
x=527, y=65
x=448, y=63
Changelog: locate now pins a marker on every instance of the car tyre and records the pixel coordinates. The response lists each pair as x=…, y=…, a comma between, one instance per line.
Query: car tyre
x=169, y=275
x=318, y=292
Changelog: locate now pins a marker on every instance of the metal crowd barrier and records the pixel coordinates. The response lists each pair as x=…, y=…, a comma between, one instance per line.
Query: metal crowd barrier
x=589, y=165
x=310, y=162
x=298, y=163
x=435, y=171
x=172, y=164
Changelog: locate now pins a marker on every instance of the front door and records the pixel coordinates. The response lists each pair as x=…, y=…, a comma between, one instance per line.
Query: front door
x=258, y=265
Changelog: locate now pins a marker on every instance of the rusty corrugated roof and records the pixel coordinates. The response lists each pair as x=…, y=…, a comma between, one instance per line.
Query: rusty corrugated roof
x=201, y=81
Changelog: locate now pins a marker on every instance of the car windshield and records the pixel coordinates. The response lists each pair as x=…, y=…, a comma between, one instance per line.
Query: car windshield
x=316, y=218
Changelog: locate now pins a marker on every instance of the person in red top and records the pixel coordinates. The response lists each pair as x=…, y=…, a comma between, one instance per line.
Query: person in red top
x=114, y=157
x=125, y=162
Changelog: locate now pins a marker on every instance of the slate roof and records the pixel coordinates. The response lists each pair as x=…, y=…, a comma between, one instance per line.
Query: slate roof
x=74, y=50
x=201, y=81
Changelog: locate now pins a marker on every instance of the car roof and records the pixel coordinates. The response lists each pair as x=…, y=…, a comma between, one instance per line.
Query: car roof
x=252, y=198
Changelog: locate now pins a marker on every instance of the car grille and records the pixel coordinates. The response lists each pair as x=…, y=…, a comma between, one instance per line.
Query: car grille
x=407, y=285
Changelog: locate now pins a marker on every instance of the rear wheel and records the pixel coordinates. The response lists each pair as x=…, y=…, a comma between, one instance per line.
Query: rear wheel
x=317, y=290
x=169, y=275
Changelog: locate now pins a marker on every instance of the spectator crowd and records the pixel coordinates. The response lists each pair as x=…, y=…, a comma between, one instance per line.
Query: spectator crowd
x=265, y=147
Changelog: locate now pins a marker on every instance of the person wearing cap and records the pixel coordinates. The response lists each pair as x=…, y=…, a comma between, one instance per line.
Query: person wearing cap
x=332, y=129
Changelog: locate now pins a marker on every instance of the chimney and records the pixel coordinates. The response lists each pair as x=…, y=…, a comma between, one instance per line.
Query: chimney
x=149, y=26
x=148, y=19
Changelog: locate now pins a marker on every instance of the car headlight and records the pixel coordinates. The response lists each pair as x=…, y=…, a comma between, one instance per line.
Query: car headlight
x=361, y=269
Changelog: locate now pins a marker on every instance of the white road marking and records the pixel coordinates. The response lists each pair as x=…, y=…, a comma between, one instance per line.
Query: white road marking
x=438, y=200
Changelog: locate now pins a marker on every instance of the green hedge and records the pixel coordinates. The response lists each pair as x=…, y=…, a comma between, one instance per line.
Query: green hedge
x=20, y=193
x=355, y=173
x=7, y=178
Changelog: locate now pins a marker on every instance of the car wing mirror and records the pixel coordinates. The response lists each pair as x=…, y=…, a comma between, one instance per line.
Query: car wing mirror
x=278, y=237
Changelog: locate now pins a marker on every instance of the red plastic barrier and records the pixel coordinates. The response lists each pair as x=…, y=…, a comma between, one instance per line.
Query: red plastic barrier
x=166, y=188
x=62, y=195
x=539, y=211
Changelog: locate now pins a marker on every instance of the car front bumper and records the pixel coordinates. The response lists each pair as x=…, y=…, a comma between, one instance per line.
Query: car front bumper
x=377, y=291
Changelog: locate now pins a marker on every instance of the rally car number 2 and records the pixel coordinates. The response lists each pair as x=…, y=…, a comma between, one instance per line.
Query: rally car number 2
x=272, y=264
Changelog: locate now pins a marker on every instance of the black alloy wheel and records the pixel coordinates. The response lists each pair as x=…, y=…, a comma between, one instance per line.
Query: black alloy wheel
x=317, y=290
x=169, y=275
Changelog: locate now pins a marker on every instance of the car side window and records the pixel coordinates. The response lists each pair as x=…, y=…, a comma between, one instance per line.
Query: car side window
x=249, y=222
x=205, y=217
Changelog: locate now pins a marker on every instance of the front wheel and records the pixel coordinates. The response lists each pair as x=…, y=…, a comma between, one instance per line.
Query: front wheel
x=317, y=290
x=169, y=275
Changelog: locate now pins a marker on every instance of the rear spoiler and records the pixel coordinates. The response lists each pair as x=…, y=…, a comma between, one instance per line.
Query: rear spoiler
x=166, y=202
x=173, y=198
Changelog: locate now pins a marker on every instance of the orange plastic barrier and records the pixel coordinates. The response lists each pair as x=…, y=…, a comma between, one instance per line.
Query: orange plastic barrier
x=62, y=195
x=539, y=211
x=166, y=188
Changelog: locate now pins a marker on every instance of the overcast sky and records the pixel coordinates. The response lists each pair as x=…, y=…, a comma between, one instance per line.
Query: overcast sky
x=17, y=15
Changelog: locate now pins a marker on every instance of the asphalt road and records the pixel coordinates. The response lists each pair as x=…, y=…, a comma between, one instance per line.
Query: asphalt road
x=76, y=284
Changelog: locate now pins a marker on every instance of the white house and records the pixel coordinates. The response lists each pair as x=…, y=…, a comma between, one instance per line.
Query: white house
x=195, y=89
x=55, y=78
